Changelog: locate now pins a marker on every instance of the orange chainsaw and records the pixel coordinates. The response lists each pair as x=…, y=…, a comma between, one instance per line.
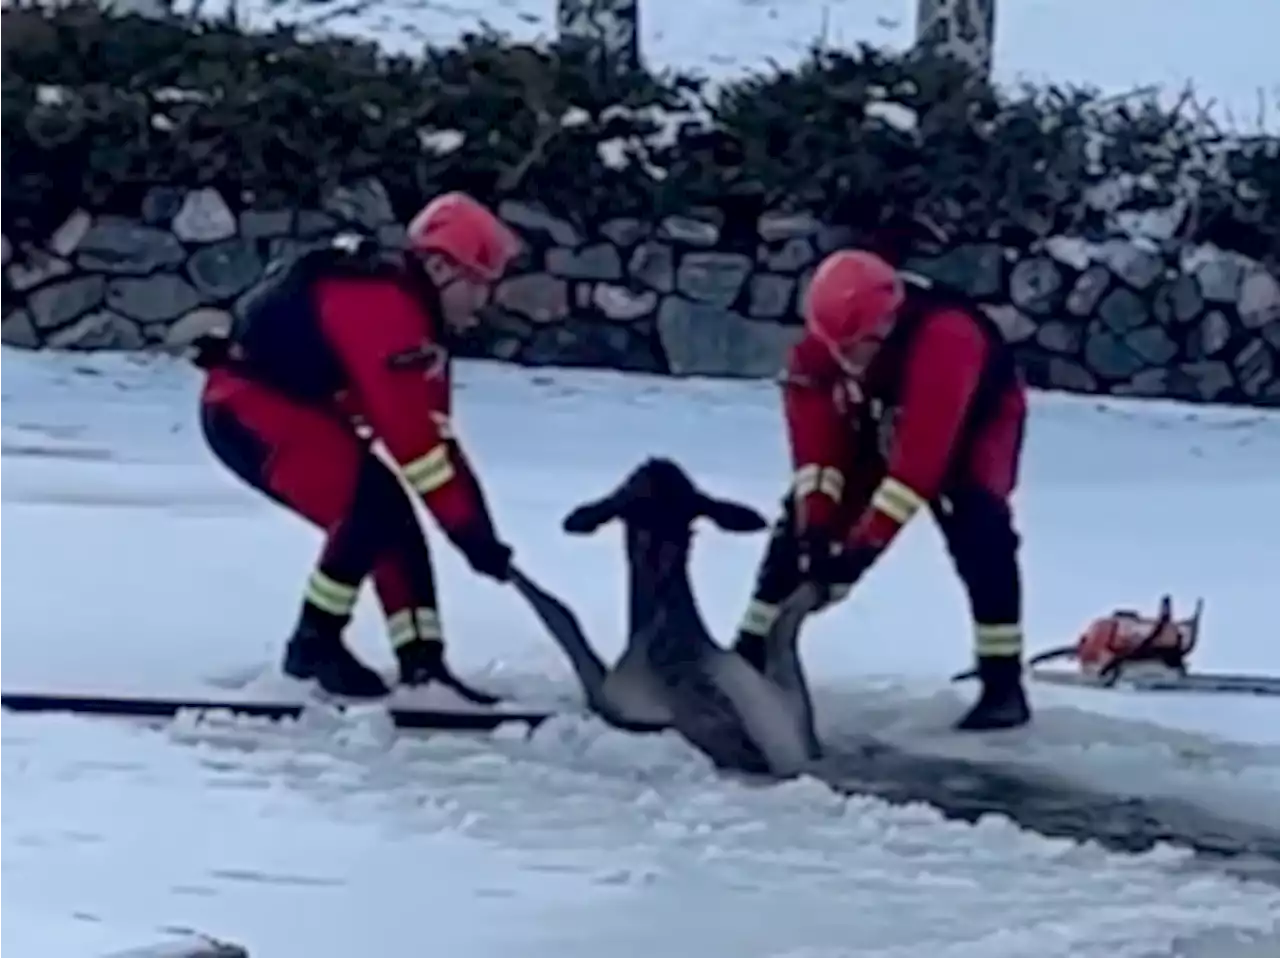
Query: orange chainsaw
x=1149, y=653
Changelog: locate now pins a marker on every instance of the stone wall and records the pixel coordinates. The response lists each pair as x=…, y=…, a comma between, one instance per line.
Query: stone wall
x=1123, y=317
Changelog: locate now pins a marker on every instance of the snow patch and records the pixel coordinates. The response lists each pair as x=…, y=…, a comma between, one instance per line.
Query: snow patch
x=54, y=934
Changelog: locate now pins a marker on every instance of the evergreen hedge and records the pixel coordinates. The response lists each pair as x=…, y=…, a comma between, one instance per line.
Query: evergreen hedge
x=99, y=107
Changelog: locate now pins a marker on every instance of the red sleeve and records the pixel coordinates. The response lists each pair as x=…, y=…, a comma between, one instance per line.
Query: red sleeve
x=820, y=439
x=399, y=383
x=942, y=370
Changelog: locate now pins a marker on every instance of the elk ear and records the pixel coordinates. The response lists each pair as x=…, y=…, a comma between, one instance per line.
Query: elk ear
x=731, y=516
x=590, y=516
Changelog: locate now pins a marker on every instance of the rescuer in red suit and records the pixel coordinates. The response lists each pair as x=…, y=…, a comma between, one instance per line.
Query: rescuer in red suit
x=336, y=349
x=901, y=396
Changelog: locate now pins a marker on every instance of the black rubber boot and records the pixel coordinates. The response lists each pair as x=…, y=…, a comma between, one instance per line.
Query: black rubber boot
x=1003, y=701
x=316, y=653
x=422, y=662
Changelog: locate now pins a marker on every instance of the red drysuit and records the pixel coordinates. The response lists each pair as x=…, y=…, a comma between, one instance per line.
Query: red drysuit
x=936, y=420
x=335, y=350
x=940, y=407
x=379, y=364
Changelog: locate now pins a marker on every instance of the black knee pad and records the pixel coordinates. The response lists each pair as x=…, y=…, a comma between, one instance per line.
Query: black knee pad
x=978, y=527
x=379, y=517
x=237, y=446
x=379, y=497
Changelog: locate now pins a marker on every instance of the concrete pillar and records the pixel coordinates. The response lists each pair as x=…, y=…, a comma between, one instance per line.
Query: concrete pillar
x=611, y=28
x=964, y=29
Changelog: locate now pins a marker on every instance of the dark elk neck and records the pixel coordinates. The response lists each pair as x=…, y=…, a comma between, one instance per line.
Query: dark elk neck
x=657, y=569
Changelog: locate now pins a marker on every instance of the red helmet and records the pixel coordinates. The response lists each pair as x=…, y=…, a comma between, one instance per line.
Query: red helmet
x=467, y=232
x=853, y=299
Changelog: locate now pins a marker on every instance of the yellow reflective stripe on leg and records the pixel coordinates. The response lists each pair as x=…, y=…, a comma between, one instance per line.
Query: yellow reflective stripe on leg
x=998, y=640
x=330, y=595
x=810, y=479
x=759, y=618
x=410, y=624
x=896, y=500
x=429, y=472
x=401, y=629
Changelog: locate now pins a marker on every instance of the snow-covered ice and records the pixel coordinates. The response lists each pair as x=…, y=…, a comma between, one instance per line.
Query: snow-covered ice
x=84, y=934
x=136, y=563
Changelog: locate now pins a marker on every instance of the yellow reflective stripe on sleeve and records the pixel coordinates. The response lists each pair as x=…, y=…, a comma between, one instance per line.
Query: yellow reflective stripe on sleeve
x=810, y=479
x=831, y=483
x=806, y=480
x=997, y=640
x=429, y=472
x=330, y=595
x=410, y=624
x=896, y=500
x=759, y=618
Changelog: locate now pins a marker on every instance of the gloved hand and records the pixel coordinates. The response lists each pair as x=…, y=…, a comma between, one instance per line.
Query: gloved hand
x=849, y=563
x=487, y=555
x=833, y=564
x=817, y=553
